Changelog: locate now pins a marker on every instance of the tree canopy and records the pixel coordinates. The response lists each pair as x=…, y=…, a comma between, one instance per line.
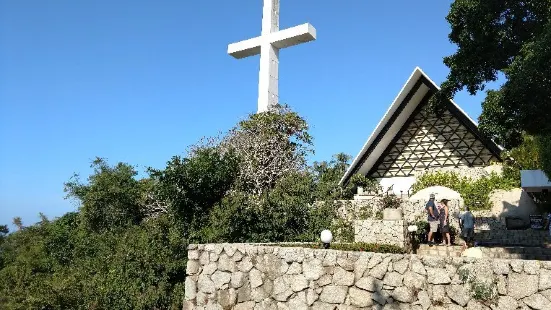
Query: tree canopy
x=507, y=37
x=125, y=247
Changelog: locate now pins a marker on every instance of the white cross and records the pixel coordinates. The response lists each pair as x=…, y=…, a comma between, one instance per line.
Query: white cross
x=268, y=45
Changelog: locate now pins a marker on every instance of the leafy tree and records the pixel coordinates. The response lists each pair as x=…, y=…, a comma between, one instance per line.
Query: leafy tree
x=18, y=222
x=269, y=146
x=43, y=217
x=110, y=199
x=4, y=230
x=527, y=154
x=152, y=203
x=327, y=176
x=498, y=36
x=125, y=248
x=3, y=233
x=509, y=37
x=192, y=186
x=286, y=213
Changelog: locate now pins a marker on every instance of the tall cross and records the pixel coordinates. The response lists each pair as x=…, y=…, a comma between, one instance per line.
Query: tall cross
x=268, y=45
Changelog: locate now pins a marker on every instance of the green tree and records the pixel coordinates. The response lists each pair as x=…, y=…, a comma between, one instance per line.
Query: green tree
x=192, y=186
x=18, y=222
x=43, y=217
x=3, y=233
x=269, y=145
x=327, y=176
x=110, y=199
x=509, y=37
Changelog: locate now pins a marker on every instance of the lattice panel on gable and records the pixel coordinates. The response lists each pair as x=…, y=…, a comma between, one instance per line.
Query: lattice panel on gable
x=431, y=142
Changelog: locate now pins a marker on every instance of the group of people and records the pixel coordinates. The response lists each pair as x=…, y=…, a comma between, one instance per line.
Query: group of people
x=438, y=216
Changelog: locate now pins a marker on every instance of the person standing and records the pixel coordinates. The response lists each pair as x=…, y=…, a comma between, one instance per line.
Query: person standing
x=444, y=220
x=432, y=218
x=466, y=223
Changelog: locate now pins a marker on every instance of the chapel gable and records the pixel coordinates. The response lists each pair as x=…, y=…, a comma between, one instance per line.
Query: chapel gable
x=428, y=140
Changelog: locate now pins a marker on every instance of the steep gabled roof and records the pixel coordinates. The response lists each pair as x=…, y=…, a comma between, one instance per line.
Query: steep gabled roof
x=417, y=90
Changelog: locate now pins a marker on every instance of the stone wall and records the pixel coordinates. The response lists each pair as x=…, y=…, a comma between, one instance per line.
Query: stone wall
x=248, y=276
x=412, y=210
x=381, y=231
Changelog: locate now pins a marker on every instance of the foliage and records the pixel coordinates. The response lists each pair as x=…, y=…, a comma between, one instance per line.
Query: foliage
x=4, y=230
x=111, y=197
x=269, y=146
x=482, y=286
x=357, y=247
x=59, y=265
x=525, y=99
x=368, y=184
x=18, y=222
x=512, y=38
x=527, y=155
x=327, y=176
x=287, y=213
x=476, y=193
x=343, y=229
x=544, y=144
x=192, y=185
x=364, y=213
x=3, y=233
x=391, y=201
x=125, y=247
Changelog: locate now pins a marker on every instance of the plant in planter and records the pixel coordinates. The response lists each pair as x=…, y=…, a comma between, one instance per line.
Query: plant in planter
x=391, y=202
x=391, y=205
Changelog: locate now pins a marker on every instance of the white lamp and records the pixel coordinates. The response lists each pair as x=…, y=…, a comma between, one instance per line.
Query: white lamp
x=326, y=237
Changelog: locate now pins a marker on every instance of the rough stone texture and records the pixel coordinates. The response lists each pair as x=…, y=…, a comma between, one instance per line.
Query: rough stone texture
x=253, y=276
x=537, y=301
x=380, y=231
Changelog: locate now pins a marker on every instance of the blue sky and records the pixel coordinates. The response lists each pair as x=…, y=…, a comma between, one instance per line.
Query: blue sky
x=138, y=81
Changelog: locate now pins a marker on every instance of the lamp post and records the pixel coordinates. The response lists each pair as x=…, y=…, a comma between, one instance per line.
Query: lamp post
x=326, y=237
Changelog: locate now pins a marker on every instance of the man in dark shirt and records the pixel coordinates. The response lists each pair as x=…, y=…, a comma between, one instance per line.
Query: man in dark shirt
x=432, y=218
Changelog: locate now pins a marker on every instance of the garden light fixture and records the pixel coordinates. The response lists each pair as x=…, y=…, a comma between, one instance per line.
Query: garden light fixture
x=326, y=237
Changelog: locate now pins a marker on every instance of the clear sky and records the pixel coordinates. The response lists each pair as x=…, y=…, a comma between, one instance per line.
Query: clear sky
x=138, y=81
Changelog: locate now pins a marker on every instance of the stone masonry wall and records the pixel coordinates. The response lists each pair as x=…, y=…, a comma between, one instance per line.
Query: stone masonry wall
x=381, y=231
x=248, y=276
x=489, y=227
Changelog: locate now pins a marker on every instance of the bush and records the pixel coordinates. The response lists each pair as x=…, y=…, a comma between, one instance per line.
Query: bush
x=476, y=193
x=355, y=247
x=391, y=202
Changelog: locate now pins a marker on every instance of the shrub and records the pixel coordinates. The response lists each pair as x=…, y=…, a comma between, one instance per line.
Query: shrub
x=356, y=247
x=476, y=193
x=391, y=202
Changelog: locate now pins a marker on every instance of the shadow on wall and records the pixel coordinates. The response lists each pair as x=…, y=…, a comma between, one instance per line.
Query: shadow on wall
x=515, y=203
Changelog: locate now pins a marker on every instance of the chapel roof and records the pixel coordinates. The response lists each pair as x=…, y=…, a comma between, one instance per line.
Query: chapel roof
x=410, y=137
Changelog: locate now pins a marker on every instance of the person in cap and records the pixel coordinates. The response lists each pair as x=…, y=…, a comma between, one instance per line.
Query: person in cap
x=432, y=217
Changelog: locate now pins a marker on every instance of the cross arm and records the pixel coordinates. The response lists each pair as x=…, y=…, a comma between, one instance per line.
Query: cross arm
x=245, y=48
x=293, y=36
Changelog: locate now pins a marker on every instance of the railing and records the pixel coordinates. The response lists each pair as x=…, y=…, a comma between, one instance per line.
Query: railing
x=390, y=188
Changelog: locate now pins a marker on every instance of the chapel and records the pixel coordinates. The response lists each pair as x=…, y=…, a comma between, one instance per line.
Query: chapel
x=410, y=138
